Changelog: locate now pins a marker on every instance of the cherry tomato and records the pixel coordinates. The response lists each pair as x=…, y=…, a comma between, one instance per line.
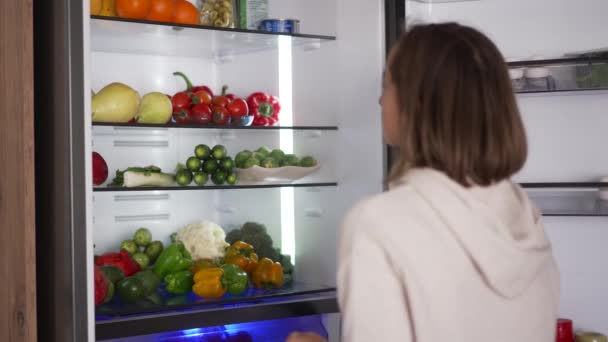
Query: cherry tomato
x=202, y=97
x=201, y=114
x=180, y=101
x=220, y=115
x=238, y=107
x=182, y=116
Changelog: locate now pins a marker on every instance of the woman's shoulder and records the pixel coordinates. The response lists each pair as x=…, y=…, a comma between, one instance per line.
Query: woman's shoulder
x=377, y=214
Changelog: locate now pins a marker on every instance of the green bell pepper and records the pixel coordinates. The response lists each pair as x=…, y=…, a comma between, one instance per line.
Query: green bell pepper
x=172, y=259
x=179, y=282
x=234, y=279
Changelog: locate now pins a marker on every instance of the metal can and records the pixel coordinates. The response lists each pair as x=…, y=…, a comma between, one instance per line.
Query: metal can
x=280, y=25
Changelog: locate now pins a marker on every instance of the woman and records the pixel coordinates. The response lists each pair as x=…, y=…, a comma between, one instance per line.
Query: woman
x=454, y=251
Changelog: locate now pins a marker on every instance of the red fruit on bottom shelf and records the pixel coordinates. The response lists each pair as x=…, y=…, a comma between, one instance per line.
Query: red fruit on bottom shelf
x=100, y=169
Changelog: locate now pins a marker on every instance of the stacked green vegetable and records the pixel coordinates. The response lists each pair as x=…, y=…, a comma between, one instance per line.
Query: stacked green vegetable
x=207, y=163
x=143, y=250
x=271, y=159
x=257, y=235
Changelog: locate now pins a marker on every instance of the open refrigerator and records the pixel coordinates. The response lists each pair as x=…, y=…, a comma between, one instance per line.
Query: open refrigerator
x=327, y=79
x=557, y=53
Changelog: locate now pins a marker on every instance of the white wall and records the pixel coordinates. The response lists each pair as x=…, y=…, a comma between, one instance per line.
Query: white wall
x=566, y=132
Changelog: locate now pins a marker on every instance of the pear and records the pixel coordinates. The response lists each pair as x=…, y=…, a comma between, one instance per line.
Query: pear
x=116, y=102
x=155, y=108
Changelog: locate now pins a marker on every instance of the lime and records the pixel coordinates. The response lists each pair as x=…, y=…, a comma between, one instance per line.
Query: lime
x=269, y=163
x=232, y=179
x=251, y=162
x=193, y=164
x=277, y=154
x=241, y=157
x=219, y=177
x=227, y=164
x=210, y=166
x=308, y=161
x=200, y=178
x=218, y=152
x=202, y=151
x=183, y=177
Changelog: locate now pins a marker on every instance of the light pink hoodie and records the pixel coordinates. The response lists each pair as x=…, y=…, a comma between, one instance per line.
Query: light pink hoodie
x=432, y=261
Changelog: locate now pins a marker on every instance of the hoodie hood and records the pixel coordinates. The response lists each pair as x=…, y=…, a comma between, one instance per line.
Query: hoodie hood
x=497, y=226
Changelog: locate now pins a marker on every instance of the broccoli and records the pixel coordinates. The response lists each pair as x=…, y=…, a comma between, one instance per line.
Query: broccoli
x=256, y=235
x=285, y=261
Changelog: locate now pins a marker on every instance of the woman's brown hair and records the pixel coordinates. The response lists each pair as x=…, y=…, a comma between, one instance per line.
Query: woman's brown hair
x=458, y=111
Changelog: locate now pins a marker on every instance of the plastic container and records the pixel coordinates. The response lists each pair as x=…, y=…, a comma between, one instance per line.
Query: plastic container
x=539, y=79
x=218, y=13
x=517, y=78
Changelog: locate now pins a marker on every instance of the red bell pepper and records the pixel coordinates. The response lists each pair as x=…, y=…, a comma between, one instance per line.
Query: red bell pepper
x=201, y=114
x=102, y=285
x=221, y=100
x=122, y=260
x=189, y=86
x=262, y=105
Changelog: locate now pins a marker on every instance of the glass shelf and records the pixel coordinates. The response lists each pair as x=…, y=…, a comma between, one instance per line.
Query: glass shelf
x=569, y=199
x=260, y=128
x=112, y=34
x=583, y=73
x=169, y=312
x=214, y=187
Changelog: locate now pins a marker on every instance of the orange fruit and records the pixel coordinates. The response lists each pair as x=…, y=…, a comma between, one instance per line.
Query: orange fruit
x=133, y=9
x=185, y=13
x=108, y=8
x=96, y=7
x=161, y=10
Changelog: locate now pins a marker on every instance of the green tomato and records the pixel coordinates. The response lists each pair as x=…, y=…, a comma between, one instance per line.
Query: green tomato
x=251, y=162
x=292, y=160
x=129, y=246
x=142, y=259
x=142, y=237
x=200, y=178
x=270, y=163
x=263, y=151
x=183, y=177
x=153, y=250
x=193, y=164
x=242, y=157
x=277, y=154
x=202, y=151
x=308, y=161
x=218, y=152
x=210, y=166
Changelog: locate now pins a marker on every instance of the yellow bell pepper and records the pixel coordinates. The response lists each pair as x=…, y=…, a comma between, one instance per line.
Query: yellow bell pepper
x=208, y=283
x=242, y=255
x=268, y=274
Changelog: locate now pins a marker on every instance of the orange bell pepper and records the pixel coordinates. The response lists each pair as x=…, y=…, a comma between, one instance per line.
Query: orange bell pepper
x=268, y=274
x=208, y=283
x=242, y=255
x=201, y=265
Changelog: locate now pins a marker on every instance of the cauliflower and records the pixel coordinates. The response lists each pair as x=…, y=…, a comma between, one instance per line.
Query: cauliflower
x=204, y=240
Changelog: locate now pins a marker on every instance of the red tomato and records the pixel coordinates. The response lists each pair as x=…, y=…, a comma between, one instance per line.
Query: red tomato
x=220, y=115
x=231, y=97
x=182, y=116
x=220, y=101
x=238, y=107
x=180, y=101
x=203, y=97
x=201, y=114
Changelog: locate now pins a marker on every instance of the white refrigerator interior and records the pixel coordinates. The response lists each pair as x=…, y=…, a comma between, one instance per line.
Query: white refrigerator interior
x=333, y=83
x=567, y=131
